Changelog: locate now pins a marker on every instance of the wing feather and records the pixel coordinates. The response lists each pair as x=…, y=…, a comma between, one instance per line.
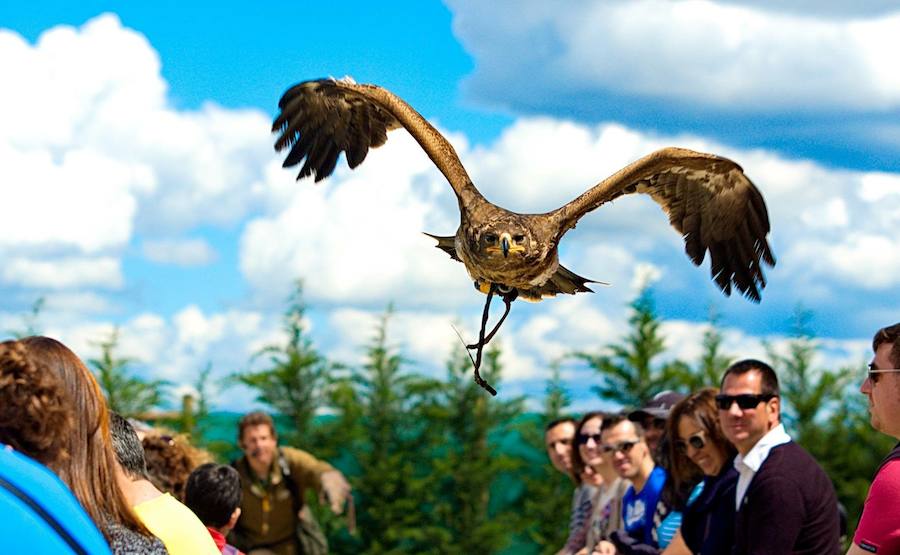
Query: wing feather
x=320, y=119
x=708, y=200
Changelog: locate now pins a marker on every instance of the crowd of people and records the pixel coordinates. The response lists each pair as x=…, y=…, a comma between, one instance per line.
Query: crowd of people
x=712, y=472
x=716, y=472
x=78, y=478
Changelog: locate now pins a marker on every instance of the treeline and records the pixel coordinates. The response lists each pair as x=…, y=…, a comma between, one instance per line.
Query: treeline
x=439, y=466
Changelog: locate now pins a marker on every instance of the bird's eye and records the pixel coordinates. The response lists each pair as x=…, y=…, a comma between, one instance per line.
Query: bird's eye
x=518, y=238
x=490, y=238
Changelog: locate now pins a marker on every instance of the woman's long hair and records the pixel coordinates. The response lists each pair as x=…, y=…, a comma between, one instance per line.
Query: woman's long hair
x=577, y=462
x=89, y=470
x=700, y=407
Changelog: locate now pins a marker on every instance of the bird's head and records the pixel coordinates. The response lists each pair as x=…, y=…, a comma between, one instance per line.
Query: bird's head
x=504, y=241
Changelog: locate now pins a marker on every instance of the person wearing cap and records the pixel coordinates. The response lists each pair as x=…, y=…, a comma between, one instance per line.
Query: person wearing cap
x=652, y=418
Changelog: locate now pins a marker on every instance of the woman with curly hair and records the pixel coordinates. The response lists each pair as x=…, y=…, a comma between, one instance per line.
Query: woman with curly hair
x=707, y=526
x=84, y=459
x=40, y=514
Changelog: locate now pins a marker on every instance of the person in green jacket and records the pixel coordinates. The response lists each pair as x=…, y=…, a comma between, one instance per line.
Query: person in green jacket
x=274, y=481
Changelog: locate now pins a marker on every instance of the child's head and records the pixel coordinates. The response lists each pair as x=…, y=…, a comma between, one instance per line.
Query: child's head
x=213, y=492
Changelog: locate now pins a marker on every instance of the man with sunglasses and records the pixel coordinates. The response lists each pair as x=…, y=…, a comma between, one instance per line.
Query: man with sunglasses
x=785, y=502
x=879, y=525
x=624, y=444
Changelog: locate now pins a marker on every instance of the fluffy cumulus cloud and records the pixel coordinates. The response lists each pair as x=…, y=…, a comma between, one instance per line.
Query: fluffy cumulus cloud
x=92, y=153
x=172, y=348
x=737, y=56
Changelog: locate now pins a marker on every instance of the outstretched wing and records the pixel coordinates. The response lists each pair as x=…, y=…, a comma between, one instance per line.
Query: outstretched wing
x=320, y=119
x=709, y=201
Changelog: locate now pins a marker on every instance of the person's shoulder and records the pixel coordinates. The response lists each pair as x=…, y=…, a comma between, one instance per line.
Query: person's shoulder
x=294, y=453
x=124, y=541
x=789, y=459
x=32, y=483
x=887, y=481
x=177, y=525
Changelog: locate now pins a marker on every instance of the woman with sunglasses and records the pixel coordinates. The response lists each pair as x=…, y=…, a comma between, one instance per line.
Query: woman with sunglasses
x=707, y=526
x=606, y=505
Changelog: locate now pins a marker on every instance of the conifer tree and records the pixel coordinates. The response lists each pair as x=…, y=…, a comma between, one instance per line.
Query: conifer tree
x=381, y=426
x=629, y=374
x=808, y=393
x=126, y=394
x=712, y=363
x=548, y=493
x=295, y=380
x=477, y=513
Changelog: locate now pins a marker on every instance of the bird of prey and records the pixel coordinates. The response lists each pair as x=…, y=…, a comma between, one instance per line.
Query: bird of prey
x=707, y=198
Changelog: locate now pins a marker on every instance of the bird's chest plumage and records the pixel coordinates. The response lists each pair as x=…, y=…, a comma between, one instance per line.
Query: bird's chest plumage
x=516, y=270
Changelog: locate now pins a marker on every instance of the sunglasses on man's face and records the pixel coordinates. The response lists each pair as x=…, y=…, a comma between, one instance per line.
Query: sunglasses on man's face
x=874, y=372
x=696, y=441
x=583, y=438
x=622, y=447
x=745, y=401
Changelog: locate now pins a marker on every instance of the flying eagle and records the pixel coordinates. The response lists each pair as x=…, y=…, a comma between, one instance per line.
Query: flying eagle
x=708, y=199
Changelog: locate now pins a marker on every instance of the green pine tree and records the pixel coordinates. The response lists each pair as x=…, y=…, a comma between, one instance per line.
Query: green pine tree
x=472, y=467
x=629, y=375
x=127, y=394
x=548, y=493
x=712, y=363
x=381, y=425
x=294, y=383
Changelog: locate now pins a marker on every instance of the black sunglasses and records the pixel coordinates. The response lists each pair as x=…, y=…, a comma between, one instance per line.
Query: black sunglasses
x=583, y=438
x=623, y=447
x=696, y=441
x=745, y=401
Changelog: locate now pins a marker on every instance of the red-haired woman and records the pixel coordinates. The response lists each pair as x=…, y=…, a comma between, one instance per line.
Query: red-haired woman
x=89, y=465
x=707, y=526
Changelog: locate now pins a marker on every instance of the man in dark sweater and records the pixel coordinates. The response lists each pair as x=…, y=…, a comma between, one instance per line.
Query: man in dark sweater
x=785, y=502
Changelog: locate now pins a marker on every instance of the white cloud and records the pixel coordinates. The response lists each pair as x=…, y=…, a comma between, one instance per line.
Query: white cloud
x=62, y=273
x=92, y=152
x=358, y=237
x=740, y=57
x=181, y=252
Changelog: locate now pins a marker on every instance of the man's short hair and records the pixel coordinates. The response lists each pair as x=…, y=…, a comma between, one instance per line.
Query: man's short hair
x=768, y=379
x=128, y=448
x=614, y=420
x=556, y=422
x=891, y=335
x=213, y=492
x=256, y=418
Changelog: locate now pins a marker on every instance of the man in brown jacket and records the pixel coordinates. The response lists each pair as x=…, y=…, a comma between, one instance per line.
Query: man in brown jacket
x=274, y=481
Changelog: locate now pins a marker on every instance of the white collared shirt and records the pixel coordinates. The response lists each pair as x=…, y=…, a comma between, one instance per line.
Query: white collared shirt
x=748, y=465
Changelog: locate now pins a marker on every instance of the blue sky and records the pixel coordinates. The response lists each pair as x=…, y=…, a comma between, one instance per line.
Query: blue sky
x=141, y=190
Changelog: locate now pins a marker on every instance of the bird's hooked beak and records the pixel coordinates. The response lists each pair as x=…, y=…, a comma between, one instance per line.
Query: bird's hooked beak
x=504, y=244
